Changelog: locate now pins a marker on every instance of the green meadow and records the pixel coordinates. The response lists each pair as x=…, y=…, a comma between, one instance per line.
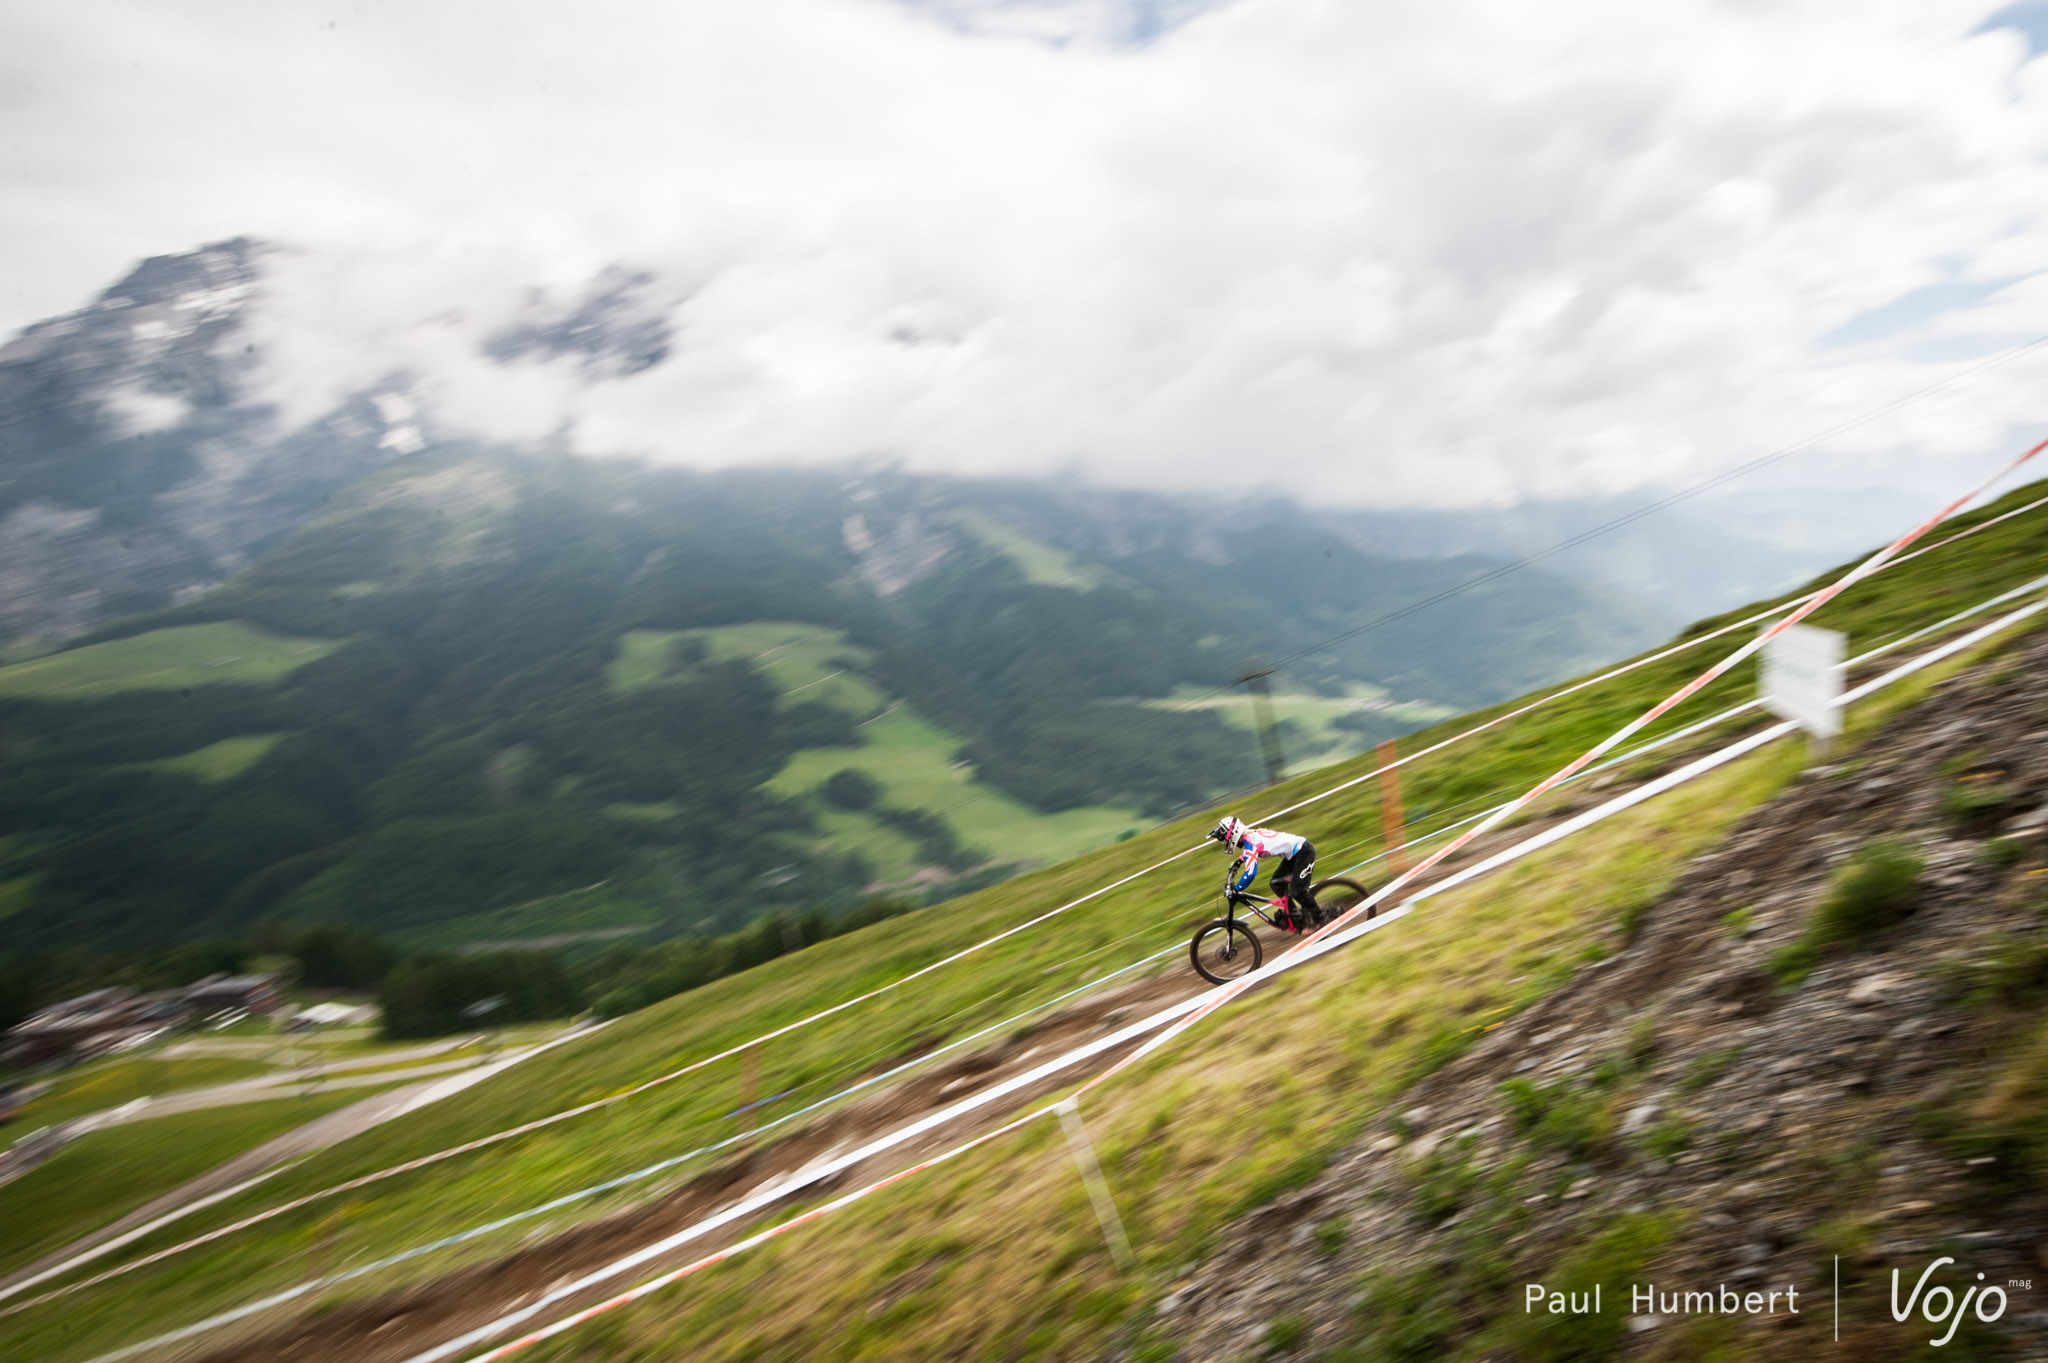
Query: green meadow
x=907, y=755
x=163, y=660
x=216, y=762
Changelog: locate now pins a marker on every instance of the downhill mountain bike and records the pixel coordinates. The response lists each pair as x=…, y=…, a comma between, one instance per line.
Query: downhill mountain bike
x=1228, y=948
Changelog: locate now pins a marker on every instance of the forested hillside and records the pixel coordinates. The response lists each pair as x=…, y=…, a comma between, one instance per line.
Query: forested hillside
x=468, y=696
x=485, y=695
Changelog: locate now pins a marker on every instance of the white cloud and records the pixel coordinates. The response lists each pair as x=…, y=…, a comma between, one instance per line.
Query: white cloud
x=1405, y=252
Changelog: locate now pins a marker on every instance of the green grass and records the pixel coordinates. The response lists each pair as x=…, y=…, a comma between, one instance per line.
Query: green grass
x=18, y=893
x=110, y=1083
x=1042, y=564
x=1617, y=1254
x=590, y=913
x=1874, y=890
x=1561, y=1115
x=1238, y=1120
x=644, y=657
x=216, y=762
x=912, y=760
x=164, y=660
x=1243, y=1103
x=104, y=1175
x=805, y=662
x=1314, y=740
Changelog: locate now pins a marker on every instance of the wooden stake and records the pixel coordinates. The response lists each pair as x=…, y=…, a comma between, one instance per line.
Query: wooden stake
x=750, y=1090
x=1393, y=816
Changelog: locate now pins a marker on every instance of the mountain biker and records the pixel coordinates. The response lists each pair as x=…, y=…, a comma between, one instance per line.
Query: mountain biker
x=1291, y=878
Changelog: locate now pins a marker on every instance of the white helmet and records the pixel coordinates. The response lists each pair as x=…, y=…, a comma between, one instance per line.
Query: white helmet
x=1228, y=831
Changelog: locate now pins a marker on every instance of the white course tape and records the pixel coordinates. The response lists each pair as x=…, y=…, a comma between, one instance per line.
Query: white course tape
x=1340, y=933
x=86, y=1256
x=810, y=1177
x=1879, y=563
x=1814, y=602
x=639, y=1175
x=1700, y=726
x=523, y=1128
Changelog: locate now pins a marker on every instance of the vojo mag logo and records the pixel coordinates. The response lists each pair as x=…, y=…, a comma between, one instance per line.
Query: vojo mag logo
x=1939, y=1306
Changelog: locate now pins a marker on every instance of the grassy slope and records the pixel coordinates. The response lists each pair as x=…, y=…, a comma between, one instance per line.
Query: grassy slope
x=1469, y=953
x=106, y=1174
x=217, y=762
x=163, y=659
x=1042, y=564
x=1324, y=744
x=114, y=1082
x=909, y=756
x=806, y=662
x=912, y=760
x=1000, y=1249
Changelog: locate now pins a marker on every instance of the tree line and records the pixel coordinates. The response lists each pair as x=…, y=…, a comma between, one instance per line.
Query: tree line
x=439, y=992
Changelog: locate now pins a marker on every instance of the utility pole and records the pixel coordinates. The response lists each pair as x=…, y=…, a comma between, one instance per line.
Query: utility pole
x=1253, y=679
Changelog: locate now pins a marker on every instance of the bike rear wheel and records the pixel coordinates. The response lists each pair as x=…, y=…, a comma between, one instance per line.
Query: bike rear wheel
x=1225, y=950
x=1339, y=895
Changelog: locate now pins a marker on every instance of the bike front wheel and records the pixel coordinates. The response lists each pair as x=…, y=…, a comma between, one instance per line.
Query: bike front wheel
x=1225, y=950
x=1338, y=896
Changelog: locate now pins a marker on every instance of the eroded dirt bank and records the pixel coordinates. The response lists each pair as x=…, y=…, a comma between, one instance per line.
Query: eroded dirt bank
x=1688, y=1115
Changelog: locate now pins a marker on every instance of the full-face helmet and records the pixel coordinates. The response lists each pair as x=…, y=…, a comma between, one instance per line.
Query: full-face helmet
x=1228, y=831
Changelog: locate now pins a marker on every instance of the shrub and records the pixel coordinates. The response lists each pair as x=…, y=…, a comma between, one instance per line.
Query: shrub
x=1407, y=1315
x=1974, y=801
x=1666, y=1139
x=1618, y=1254
x=1444, y=1180
x=2004, y=853
x=1705, y=1069
x=851, y=788
x=1793, y=962
x=1875, y=890
x=1567, y=1118
x=1287, y=1333
x=2016, y=974
x=433, y=995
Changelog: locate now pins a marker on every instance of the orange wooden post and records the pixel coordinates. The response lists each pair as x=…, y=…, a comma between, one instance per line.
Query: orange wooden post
x=750, y=1091
x=1393, y=817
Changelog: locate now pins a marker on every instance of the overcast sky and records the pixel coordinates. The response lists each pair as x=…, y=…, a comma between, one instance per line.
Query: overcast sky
x=1438, y=252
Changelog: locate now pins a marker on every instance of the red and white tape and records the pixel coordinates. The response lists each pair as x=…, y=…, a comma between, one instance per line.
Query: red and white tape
x=1345, y=929
x=1885, y=559
x=1812, y=603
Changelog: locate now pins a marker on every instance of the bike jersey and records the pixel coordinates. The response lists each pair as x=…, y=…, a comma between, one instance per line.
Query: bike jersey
x=1260, y=843
x=1254, y=844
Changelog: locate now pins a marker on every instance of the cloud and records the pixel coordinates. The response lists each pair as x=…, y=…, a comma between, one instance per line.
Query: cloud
x=1402, y=253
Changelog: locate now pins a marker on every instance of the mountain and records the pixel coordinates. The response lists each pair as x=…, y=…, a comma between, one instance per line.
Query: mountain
x=481, y=680
x=353, y=669
x=135, y=470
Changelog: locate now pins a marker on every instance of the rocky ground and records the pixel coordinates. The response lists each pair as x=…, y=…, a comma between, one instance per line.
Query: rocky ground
x=1690, y=1113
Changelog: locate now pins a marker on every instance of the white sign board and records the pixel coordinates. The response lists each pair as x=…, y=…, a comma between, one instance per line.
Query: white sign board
x=1801, y=678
